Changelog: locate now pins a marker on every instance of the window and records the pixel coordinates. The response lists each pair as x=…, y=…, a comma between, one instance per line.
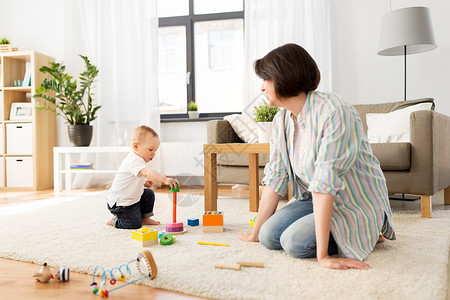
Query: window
x=200, y=55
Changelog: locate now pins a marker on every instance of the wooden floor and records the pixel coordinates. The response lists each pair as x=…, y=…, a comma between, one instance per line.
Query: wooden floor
x=16, y=281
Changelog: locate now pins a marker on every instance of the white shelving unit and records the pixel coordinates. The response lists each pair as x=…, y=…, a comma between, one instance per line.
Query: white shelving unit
x=63, y=158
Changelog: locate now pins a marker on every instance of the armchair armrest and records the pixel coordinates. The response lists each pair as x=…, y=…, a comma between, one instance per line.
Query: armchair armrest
x=430, y=151
x=220, y=132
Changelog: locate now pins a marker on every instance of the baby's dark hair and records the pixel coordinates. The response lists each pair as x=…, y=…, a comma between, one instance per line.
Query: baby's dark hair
x=291, y=69
x=139, y=133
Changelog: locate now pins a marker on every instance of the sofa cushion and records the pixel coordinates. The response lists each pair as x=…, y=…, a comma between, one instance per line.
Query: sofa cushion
x=393, y=156
x=392, y=127
x=244, y=126
x=364, y=109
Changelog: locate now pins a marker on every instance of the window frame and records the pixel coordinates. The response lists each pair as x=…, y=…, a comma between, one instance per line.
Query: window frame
x=188, y=21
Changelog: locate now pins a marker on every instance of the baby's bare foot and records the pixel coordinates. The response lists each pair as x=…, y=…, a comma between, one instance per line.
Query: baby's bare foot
x=148, y=221
x=111, y=222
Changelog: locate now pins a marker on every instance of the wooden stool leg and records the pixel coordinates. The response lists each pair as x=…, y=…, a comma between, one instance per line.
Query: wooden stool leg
x=447, y=196
x=425, y=204
x=253, y=172
x=210, y=177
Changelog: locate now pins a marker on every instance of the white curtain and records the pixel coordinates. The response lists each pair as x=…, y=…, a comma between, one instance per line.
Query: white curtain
x=120, y=38
x=270, y=24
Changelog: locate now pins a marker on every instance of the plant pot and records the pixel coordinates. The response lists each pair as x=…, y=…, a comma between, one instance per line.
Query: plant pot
x=80, y=135
x=264, y=130
x=193, y=114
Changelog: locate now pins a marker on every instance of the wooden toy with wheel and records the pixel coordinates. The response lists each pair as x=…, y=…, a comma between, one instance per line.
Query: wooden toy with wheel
x=145, y=264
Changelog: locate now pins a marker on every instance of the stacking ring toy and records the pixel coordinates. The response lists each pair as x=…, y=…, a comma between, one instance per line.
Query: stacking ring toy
x=166, y=239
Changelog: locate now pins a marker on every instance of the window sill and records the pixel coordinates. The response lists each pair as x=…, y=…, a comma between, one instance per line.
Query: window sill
x=201, y=119
x=204, y=117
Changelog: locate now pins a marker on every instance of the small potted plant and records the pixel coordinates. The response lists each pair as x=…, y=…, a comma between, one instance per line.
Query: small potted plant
x=74, y=103
x=5, y=46
x=193, y=110
x=263, y=115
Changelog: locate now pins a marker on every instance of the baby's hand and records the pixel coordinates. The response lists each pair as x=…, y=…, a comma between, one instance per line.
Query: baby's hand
x=172, y=182
x=148, y=184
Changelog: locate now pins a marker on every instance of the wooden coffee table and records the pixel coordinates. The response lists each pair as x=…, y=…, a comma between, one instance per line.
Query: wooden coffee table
x=210, y=152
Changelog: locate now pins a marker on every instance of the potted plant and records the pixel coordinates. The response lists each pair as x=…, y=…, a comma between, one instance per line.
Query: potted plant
x=5, y=46
x=263, y=115
x=71, y=101
x=192, y=110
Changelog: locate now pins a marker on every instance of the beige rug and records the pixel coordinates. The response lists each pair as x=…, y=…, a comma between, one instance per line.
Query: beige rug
x=71, y=231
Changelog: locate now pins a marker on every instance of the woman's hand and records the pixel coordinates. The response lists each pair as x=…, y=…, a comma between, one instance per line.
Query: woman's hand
x=341, y=263
x=247, y=237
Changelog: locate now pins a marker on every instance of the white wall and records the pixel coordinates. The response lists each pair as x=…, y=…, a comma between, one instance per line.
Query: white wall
x=34, y=25
x=359, y=74
x=362, y=76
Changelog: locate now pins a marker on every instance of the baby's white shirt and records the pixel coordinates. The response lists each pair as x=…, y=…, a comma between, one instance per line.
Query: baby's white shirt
x=128, y=184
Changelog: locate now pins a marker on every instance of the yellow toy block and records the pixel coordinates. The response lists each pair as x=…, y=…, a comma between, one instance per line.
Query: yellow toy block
x=146, y=235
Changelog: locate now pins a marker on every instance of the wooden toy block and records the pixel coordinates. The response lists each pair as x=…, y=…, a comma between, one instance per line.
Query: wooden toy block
x=213, y=229
x=228, y=266
x=213, y=218
x=193, y=222
x=146, y=235
x=254, y=264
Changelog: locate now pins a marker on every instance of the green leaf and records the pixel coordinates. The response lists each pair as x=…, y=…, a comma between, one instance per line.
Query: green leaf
x=68, y=100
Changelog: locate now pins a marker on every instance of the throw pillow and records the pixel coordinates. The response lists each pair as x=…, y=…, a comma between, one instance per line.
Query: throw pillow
x=392, y=127
x=244, y=126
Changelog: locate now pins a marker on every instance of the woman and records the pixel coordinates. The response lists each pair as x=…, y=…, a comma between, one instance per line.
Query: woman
x=319, y=146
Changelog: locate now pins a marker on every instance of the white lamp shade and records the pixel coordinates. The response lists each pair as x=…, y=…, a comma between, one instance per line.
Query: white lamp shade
x=410, y=27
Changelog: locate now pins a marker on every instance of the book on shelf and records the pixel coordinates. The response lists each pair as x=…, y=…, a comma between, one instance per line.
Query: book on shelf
x=27, y=77
x=82, y=166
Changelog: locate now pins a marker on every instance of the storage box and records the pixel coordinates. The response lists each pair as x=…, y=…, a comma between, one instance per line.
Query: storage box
x=2, y=172
x=19, y=171
x=19, y=138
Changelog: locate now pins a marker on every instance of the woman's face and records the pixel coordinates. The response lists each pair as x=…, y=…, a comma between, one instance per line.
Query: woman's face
x=269, y=89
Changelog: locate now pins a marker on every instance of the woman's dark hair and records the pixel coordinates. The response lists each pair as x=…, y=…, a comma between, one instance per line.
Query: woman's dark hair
x=291, y=69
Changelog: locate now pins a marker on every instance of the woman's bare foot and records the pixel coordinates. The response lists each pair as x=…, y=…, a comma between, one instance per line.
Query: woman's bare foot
x=148, y=221
x=381, y=239
x=111, y=222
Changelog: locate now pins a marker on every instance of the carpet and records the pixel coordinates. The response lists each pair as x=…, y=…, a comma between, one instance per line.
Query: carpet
x=71, y=232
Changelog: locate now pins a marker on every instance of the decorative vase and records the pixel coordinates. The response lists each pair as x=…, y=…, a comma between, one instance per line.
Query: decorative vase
x=264, y=130
x=80, y=135
x=193, y=114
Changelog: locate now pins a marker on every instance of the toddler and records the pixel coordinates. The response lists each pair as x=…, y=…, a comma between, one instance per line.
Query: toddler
x=128, y=200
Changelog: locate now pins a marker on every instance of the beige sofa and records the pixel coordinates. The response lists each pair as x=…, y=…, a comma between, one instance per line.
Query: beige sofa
x=420, y=167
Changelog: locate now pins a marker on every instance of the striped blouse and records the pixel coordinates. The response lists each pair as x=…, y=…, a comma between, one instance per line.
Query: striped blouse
x=325, y=150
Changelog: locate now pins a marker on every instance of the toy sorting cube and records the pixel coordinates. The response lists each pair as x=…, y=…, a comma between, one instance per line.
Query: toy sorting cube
x=213, y=221
x=193, y=222
x=146, y=235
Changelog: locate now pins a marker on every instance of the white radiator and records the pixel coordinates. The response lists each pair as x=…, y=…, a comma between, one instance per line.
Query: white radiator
x=181, y=158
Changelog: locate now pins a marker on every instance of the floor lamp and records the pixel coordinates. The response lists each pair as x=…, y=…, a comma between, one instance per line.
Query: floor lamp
x=406, y=31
